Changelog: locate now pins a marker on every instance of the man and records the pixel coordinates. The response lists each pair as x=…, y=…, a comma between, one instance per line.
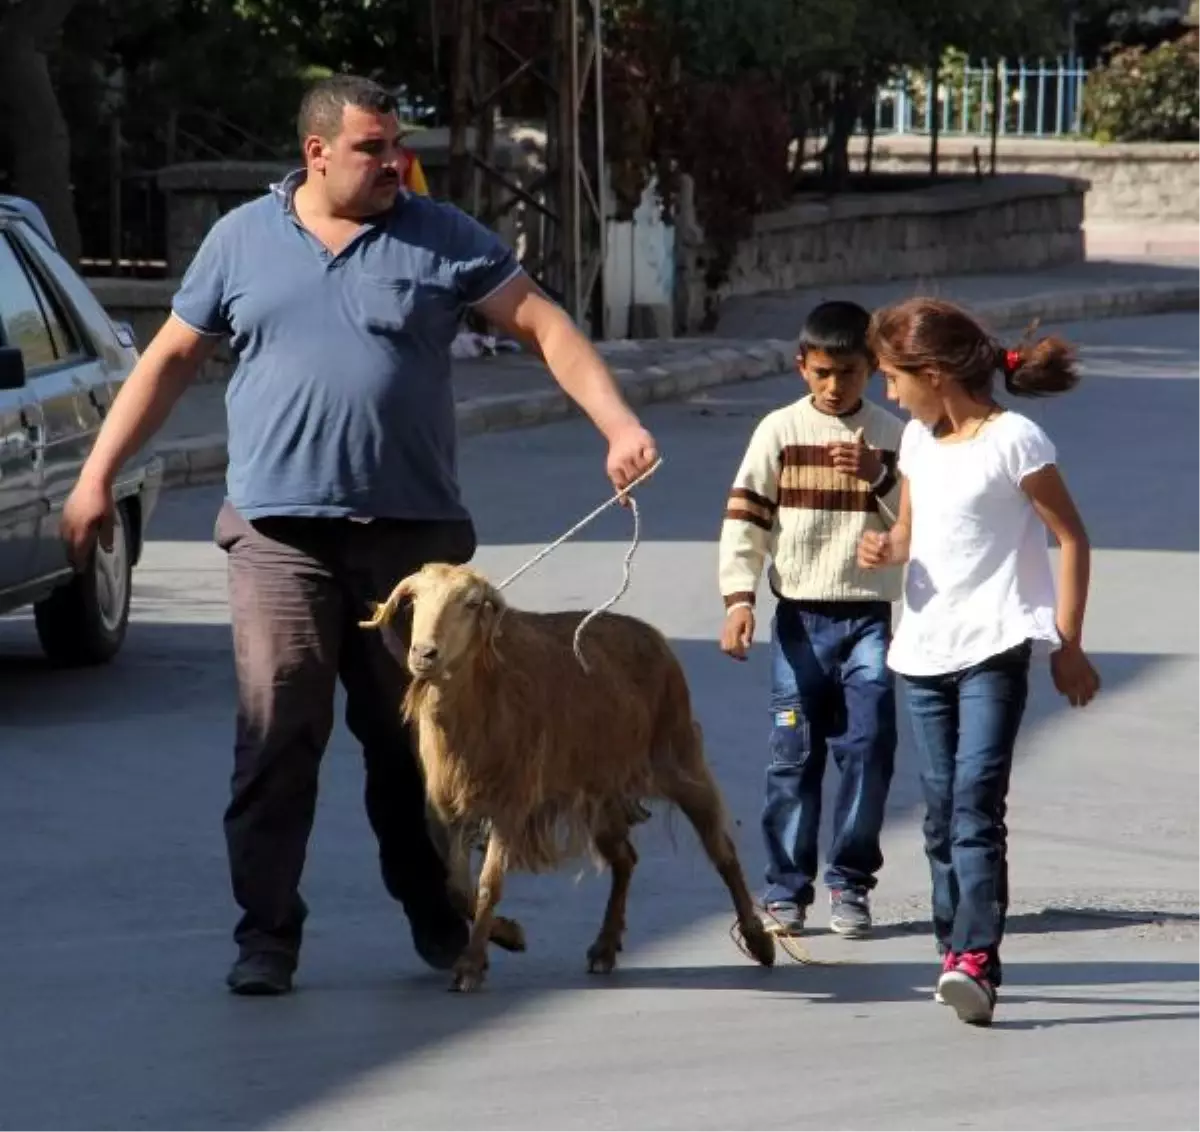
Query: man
x=341, y=294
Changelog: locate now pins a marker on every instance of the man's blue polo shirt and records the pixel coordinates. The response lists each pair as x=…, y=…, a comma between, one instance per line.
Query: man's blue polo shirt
x=341, y=403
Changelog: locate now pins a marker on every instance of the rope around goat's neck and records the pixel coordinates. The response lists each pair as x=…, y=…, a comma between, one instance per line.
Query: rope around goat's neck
x=633, y=545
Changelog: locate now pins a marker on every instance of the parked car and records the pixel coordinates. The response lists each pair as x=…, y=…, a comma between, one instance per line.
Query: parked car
x=62, y=360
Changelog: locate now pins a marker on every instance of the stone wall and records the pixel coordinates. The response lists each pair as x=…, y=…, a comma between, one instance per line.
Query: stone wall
x=145, y=304
x=199, y=193
x=1003, y=223
x=1140, y=182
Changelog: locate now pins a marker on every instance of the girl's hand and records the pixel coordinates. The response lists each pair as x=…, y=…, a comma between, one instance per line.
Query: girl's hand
x=1073, y=674
x=874, y=550
x=738, y=633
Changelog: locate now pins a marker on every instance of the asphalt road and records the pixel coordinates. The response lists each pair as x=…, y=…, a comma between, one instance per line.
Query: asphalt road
x=114, y=937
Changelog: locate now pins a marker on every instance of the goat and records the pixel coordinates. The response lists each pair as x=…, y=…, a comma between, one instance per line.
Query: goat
x=513, y=732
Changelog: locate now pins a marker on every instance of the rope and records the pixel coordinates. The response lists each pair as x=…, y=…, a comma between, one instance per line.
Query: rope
x=792, y=947
x=633, y=545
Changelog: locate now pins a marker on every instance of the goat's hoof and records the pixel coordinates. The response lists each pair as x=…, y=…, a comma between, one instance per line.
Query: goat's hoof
x=468, y=976
x=602, y=957
x=507, y=934
x=759, y=942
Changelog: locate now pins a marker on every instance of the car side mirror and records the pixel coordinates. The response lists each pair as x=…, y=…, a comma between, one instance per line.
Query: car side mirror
x=12, y=368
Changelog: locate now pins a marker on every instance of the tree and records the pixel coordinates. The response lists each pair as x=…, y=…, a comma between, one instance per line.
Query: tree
x=31, y=117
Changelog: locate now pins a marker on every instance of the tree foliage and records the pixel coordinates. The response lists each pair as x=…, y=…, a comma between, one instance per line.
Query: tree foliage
x=1146, y=95
x=747, y=97
x=33, y=132
x=741, y=96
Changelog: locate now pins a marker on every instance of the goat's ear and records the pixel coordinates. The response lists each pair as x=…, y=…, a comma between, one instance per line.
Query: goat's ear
x=405, y=589
x=491, y=612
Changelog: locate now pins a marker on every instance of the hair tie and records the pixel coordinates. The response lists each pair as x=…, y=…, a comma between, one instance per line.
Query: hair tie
x=1012, y=361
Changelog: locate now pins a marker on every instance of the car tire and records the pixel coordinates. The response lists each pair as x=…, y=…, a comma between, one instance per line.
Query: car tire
x=84, y=622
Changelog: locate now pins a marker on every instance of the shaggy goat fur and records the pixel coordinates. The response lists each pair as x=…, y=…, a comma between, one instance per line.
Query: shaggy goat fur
x=556, y=760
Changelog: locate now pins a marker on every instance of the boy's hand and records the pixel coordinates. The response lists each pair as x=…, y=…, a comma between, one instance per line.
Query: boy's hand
x=738, y=632
x=857, y=458
x=1073, y=674
x=874, y=550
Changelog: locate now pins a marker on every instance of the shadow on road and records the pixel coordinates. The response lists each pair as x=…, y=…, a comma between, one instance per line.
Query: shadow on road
x=117, y=866
x=117, y=932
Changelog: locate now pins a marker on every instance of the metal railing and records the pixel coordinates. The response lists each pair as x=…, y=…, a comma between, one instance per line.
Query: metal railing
x=1042, y=100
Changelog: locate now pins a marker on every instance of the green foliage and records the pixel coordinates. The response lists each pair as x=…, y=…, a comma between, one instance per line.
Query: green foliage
x=388, y=40
x=728, y=92
x=1142, y=95
x=731, y=92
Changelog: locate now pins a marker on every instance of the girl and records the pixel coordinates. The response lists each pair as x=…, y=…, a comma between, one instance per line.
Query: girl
x=978, y=482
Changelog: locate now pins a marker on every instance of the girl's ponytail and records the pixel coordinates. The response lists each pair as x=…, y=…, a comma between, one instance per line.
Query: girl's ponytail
x=925, y=336
x=1039, y=369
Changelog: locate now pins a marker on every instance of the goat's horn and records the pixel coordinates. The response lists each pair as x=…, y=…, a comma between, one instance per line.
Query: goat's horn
x=387, y=610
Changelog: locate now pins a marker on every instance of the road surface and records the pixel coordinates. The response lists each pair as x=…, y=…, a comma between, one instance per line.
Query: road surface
x=115, y=935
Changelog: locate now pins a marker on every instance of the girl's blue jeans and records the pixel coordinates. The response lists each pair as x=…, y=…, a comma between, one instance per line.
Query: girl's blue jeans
x=965, y=725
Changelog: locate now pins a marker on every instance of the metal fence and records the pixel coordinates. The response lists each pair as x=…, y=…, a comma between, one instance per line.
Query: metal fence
x=1042, y=100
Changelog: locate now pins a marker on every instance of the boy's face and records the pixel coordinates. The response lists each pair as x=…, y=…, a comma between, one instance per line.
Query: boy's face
x=837, y=381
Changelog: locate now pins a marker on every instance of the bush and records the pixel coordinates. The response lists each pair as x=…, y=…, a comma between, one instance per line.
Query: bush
x=1142, y=95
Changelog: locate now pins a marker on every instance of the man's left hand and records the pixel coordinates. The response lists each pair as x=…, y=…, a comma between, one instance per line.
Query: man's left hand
x=631, y=452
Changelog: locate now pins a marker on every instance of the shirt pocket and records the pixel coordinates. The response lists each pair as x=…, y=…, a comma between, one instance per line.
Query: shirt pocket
x=405, y=308
x=386, y=305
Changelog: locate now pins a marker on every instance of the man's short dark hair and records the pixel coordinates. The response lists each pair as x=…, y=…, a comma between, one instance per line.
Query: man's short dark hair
x=324, y=103
x=838, y=327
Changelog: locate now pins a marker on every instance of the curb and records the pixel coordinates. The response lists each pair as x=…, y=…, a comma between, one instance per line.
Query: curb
x=198, y=460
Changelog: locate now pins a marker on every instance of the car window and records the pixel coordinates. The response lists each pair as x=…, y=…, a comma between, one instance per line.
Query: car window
x=62, y=332
x=21, y=312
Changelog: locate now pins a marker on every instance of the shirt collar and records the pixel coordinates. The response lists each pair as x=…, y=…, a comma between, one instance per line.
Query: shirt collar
x=285, y=190
x=285, y=193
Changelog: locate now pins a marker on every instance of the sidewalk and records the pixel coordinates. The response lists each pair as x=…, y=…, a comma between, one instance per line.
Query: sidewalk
x=754, y=338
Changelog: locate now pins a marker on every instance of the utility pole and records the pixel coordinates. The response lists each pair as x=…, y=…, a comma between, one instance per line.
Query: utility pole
x=560, y=57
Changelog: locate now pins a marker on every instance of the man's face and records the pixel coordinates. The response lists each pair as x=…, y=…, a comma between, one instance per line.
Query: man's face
x=359, y=169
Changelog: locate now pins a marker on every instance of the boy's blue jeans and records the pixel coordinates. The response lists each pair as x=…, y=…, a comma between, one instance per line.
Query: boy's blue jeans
x=831, y=691
x=965, y=724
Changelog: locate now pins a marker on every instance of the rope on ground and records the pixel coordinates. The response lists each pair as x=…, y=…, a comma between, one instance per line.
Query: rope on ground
x=623, y=495
x=793, y=948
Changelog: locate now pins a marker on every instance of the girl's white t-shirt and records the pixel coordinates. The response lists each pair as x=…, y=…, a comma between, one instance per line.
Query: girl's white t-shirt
x=979, y=580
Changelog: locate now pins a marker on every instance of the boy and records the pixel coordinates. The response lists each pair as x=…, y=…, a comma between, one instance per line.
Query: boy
x=816, y=475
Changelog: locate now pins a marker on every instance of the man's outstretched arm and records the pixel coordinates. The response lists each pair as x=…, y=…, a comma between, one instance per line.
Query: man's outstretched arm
x=520, y=309
x=144, y=402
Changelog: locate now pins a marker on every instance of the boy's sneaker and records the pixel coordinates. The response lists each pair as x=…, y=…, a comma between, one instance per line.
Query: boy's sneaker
x=849, y=913
x=967, y=988
x=949, y=962
x=784, y=917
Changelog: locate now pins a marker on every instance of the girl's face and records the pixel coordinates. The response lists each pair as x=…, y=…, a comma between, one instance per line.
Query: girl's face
x=920, y=397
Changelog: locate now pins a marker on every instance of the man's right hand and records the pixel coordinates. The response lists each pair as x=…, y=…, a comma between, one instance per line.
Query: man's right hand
x=87, y=515
x=157, y=381
x=738, y=633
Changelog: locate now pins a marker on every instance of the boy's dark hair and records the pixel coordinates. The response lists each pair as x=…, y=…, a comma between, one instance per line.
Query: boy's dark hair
x=324, y=103
x=924, y=336
x=837, y=327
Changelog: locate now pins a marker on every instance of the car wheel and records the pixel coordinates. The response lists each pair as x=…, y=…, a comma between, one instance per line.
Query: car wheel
x=84, y=621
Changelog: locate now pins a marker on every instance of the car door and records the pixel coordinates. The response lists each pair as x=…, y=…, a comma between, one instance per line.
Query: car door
x=63, y=385
x=21, y=502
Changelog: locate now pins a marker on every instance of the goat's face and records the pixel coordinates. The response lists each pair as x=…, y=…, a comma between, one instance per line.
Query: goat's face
x=454, y=612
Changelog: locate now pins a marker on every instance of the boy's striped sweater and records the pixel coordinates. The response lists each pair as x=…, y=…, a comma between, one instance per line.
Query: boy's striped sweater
x=789, y=502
